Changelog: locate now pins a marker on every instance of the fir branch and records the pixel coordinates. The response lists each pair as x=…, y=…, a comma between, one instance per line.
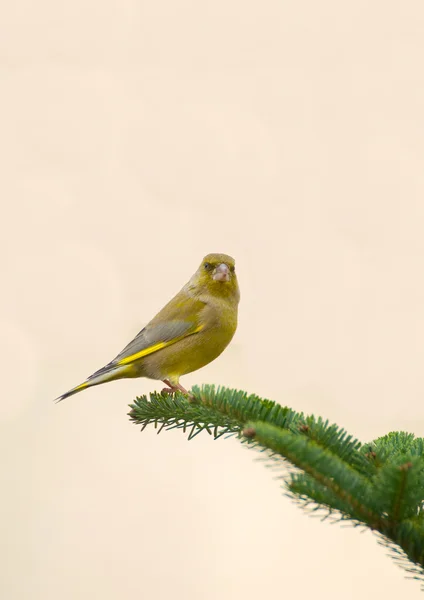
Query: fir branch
x=328, y=470
x=379, y=485
x=175, y=412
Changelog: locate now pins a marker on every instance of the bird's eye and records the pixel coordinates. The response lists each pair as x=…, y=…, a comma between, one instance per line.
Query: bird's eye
x=232, y=269
x=207, y=266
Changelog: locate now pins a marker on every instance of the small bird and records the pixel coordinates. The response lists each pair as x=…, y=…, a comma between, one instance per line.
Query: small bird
x=192, y=330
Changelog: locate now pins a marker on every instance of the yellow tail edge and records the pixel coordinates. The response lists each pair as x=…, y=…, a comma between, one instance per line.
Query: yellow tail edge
x=73, y=391
x=108, y=373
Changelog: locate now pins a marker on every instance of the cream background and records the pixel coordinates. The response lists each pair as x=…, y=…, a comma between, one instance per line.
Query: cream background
x=135, y=138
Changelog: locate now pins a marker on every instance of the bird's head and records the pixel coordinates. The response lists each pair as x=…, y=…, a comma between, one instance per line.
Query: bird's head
x=217, y=276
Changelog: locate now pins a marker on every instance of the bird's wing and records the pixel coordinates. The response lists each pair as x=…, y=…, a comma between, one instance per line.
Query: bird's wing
x=175, y=321
x=154, y=338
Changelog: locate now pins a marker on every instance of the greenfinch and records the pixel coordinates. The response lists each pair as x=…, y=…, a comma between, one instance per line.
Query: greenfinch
x=192, y=330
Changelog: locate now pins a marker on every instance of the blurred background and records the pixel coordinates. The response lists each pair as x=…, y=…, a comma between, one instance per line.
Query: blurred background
x=135, y=138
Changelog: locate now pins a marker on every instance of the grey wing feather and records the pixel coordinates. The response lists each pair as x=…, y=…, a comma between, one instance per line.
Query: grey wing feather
x=154, y=334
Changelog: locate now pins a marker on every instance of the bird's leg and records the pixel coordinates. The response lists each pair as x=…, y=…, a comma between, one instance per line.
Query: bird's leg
x=181, y=389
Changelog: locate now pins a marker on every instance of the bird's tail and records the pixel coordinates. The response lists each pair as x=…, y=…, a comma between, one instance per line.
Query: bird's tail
x=107, y=373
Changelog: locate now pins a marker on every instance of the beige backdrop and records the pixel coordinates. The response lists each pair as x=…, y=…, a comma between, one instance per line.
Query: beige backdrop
x=135, y=138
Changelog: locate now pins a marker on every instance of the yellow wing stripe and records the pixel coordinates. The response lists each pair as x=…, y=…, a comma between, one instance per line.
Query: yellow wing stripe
x=146, y=351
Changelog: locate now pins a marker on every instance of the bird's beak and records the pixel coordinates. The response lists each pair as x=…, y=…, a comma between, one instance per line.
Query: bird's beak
x=221, y=273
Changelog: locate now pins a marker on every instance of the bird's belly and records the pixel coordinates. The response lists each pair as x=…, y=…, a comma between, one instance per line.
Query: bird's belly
x=185, y=356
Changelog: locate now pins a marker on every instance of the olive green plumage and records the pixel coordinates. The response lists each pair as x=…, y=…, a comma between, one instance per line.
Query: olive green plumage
x=188, y=333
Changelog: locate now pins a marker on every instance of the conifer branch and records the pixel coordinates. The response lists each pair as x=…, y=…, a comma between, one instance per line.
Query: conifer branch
x=379, y=485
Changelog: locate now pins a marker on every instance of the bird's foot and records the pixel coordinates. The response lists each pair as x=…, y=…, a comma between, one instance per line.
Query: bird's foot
x=171, y=389
x=167, y=390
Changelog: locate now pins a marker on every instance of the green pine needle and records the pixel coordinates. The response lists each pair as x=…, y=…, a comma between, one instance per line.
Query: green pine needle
x=379, y=485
